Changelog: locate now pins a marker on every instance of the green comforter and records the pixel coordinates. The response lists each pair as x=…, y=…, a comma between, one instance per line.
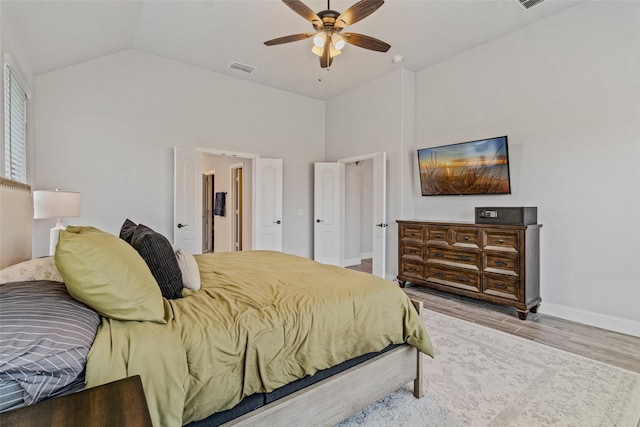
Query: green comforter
x=261, y=320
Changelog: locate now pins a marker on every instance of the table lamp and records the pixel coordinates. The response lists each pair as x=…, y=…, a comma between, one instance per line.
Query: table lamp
x=55, y=204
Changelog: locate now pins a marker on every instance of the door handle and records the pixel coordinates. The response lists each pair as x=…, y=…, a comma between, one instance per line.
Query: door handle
x=182, y=225
x=277, y=222
x=383, y=225
x=319, y=221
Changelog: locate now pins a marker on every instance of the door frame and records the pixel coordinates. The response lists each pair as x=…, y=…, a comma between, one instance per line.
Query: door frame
x=236, y=220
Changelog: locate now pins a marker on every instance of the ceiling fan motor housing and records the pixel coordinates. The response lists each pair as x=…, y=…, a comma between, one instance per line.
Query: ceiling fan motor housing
x=328, y=21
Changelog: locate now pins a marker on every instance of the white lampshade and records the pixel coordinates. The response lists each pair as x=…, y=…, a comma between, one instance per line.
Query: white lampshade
x=338, y=41
x=319, y=39
x=55, y=204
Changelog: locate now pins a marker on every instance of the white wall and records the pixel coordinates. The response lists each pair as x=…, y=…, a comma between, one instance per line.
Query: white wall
x=566, y=91
x=371, y=119
x=106, y=128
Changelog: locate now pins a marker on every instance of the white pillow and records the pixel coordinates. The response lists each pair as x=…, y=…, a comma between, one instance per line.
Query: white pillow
x=33, y=269
x=189, y=269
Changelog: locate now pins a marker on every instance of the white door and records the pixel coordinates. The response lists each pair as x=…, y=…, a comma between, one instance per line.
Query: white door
x=187, y=200
x=267, y=204
x=328, y=209
x=379, y=214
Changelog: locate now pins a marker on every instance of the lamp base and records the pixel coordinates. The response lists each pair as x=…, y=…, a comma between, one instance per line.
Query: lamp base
x=54, y=234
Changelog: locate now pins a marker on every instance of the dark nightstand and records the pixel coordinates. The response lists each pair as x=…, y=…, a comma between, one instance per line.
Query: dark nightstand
x=120, y=403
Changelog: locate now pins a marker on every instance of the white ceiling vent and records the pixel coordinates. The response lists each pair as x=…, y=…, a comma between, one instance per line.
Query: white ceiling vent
x=528, y=4
x=242, y=67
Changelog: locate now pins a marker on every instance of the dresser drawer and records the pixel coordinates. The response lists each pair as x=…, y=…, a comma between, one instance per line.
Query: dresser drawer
x=467, y=237
x=459, y=278
x=412, y=251
x=498, y=240
x=455, y=257
x=412, y=269
x=437, y=236
x=412, y=233
x=502, y=263
x=501, y=286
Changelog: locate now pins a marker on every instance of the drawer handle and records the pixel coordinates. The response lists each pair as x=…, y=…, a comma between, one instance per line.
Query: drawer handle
x=501, y=241
x=412, y=269
x=466, y=237
x=439, y=275
x=463, y=279
x=501, y=263
x=413, y=234
x=437, y=236
x=440, y=255
x=499, y=286
x=464, y=258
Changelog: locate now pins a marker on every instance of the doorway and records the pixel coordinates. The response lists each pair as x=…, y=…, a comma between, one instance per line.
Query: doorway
x=358, y=230
x=229, y=202
x=330, y=213
x=262, y=197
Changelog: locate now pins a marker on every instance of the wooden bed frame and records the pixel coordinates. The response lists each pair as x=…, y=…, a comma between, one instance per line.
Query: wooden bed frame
x=324, y=403
x=332, y=400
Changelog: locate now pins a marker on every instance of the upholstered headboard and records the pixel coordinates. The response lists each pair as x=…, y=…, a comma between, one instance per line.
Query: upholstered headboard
x=16, y=222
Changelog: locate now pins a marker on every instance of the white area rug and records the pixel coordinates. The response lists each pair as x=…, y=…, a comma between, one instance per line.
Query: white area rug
x=484, y=377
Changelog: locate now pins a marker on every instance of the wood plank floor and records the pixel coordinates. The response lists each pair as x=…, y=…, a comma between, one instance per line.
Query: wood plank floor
x=599, y=344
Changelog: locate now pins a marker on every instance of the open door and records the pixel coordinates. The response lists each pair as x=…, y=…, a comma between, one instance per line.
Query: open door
x=187, y=200
x=267, y=204
x=379, y=214
x=328, y=209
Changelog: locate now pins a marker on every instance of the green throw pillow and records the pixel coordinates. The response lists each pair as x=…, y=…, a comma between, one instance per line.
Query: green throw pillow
x=107, y=274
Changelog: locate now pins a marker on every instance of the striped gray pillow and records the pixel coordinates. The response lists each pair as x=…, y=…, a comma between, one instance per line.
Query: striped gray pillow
x=158, y=253
x=45, y=336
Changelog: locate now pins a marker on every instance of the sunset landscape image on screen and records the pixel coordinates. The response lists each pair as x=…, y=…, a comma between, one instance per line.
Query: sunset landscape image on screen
x=478, y=167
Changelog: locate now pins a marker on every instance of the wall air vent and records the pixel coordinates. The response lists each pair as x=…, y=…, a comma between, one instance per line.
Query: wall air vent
x=242, y=67
x=528, y=4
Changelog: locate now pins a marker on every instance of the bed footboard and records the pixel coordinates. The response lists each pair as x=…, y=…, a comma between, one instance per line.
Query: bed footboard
x=336, y=398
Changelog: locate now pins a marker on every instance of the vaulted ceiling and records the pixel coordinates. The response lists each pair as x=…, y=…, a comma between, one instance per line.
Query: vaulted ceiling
x=212, y=34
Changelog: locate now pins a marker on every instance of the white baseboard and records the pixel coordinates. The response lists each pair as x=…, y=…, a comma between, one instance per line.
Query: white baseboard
x=351, y=261
x=604, y=321
x=366, y=255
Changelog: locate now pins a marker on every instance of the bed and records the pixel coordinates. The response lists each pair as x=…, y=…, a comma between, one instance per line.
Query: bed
x=287, y=340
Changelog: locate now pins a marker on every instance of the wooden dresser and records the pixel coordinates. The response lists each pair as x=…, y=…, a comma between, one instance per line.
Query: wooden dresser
x=497, y=263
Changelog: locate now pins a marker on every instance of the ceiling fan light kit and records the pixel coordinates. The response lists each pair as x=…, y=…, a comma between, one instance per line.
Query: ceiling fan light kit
x=327, y=41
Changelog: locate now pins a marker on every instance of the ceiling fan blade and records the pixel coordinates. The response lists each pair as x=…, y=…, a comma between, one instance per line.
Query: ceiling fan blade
x=358, y=11
x=303, y=10
x=366, y=42
x=288, y=39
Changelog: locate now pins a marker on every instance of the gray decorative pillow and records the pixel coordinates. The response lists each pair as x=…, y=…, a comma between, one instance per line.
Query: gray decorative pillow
x=158, y=253
x=126, y=232
x=45, y=336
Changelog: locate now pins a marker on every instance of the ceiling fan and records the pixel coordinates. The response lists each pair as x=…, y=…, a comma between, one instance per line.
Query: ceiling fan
x=328, y=40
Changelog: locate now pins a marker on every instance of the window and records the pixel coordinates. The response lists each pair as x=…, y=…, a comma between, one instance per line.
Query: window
x=15, y=123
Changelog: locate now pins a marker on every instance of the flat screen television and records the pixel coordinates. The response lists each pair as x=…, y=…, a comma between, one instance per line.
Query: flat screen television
x=473, y=167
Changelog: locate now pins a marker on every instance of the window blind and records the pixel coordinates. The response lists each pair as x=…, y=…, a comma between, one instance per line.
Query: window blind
x=15, y=126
